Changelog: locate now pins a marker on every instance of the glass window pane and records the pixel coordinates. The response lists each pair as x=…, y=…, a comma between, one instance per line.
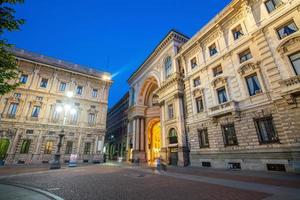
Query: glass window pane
x=295, y=59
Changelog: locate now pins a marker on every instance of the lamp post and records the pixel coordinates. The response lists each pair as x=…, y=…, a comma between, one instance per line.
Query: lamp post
x=67, y=108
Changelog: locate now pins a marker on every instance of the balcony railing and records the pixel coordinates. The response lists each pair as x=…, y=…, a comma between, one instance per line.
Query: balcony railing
x=290, y=85
x=224, y=108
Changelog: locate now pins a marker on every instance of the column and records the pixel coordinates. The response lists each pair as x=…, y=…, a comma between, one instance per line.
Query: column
x=133, y=134
x=138, y=134
x=96, y=144
x=38, y=146
x=142, y=134
x=13, y=147
x=79, y=143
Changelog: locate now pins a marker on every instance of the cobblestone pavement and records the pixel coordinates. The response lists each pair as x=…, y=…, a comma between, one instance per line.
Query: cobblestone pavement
x=126, y=182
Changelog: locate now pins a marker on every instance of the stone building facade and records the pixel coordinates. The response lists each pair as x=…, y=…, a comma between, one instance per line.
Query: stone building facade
x=34, y=114
x=116, y=135
x=230, y=94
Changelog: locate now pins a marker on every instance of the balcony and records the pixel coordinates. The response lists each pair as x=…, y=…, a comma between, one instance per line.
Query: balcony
x=231, y=107
x=290, y=85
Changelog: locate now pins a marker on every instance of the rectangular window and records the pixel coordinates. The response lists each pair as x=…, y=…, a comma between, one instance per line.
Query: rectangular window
x=203, y=138
x=199, y=104
x=266, y=130
x=29, y=132
x=36, y=111
x=62, y=86
x=25, y=146
x=23, y=78
x=91, y=118
x=287, y=30
x=229, y=135
x=69, y=147
x=295, y=60
x=271, y=5
x=212, y=49
x=170, y=111
x=245, y=55
x=197, y=82
x=12, y=110
x=194, y=63
x=44, y=83
x=87, y=148
x=17, y=95
x=48, y=147
x=222, y=96
x=217, y=71
x=94, y=93
x=237, y=32
x=253, y=85
x=79, y=90
x=74, y=117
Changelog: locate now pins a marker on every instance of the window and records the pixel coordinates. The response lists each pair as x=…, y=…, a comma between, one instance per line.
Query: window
x=222, y=96
x=12, y=110
x=48, y=147
x=271, y=5
x=229, y=135
x=197, y=82
x=266, y=130
x=237, y=32
x=23, y=78
x=94, y=93
x=194, y=63
x=212, y=49
x=79, y=90
x=245, y=55
x=295, y=60
x=17, y=95
x=87, y=148
x=74, y=117
x=69, y=147
x=217, y=71
x=173, y=136
x=56, y=115
x=91, y=118
x=36, y=111
x=44, y=83
x=253, y=85
x=62, y=86
x=170, y=111
x=25, y=146
x=168, y=66
x=287, y=30
x=203, y=138
x=199, y=104
x=29, y=132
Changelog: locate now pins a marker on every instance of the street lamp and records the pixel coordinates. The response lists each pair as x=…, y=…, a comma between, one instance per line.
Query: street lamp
x=66, y=108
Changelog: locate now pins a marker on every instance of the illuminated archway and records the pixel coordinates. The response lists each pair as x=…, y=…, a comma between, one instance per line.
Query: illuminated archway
x=154, y=142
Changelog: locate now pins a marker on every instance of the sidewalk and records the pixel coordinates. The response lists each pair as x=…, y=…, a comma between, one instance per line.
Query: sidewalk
x=12, y=192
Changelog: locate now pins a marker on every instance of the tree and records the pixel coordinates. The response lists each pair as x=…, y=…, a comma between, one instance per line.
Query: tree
x=9, y=70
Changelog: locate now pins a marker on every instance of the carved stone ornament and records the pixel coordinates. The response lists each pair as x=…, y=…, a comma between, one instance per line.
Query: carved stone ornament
x=219, y=81
x=197, y=92
x=289, y=43
x=248, y=67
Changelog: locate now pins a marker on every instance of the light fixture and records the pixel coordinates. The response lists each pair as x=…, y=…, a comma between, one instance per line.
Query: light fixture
x=70, y=94
x=73, y=111
x=58, y=109
x=106, y=77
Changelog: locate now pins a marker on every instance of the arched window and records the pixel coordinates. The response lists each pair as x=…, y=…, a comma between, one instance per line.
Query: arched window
x=168, y=66
x=173, y=136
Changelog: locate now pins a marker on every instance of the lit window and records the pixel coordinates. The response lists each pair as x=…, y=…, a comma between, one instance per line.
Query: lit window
x=199, y=104
x=245, y=55
x=69, y=147
x=25, y=146
x=295, y=60
x=203, y=138
x=79, y=90
x=217, y=71
x=36, y=111
x=287, y=30
x=237, y=32
x=87, y=148
x=222, y=96
x=229, y=135
x=173, y=136
x=62, y=86
x=271, y=5
x=194, y=63
x=48, y=147
x=168, y=66
x=12, y=110
x=253, y=84
x=94, y=93
x=44, y=83
x=212, y=49
x=265, y=130
x=74, y=117
x=197, y=82
x=170, y=111
x=23, y=78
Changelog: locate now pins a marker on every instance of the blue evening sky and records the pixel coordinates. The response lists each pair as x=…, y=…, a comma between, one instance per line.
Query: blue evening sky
x=109, y=35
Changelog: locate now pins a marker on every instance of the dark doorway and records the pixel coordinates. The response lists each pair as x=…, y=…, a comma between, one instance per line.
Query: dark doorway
x=173, y=156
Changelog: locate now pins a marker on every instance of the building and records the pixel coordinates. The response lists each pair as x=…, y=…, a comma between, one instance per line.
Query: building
x=34, y=114
x=116, y=135
x=228, y=97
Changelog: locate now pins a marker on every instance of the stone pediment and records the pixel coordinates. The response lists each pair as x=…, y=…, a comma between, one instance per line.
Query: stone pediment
x=247, y=67
x=288, y=43
x=198, y=92
x=219, y=81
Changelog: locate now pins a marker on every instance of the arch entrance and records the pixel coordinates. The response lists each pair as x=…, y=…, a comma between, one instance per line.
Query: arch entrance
x=154, y=141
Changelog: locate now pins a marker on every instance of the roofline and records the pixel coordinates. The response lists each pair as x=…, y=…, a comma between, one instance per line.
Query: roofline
x=125, y=96
x=156, y=47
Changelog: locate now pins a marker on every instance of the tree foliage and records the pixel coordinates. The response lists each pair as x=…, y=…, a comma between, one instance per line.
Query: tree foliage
x=9, y=70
